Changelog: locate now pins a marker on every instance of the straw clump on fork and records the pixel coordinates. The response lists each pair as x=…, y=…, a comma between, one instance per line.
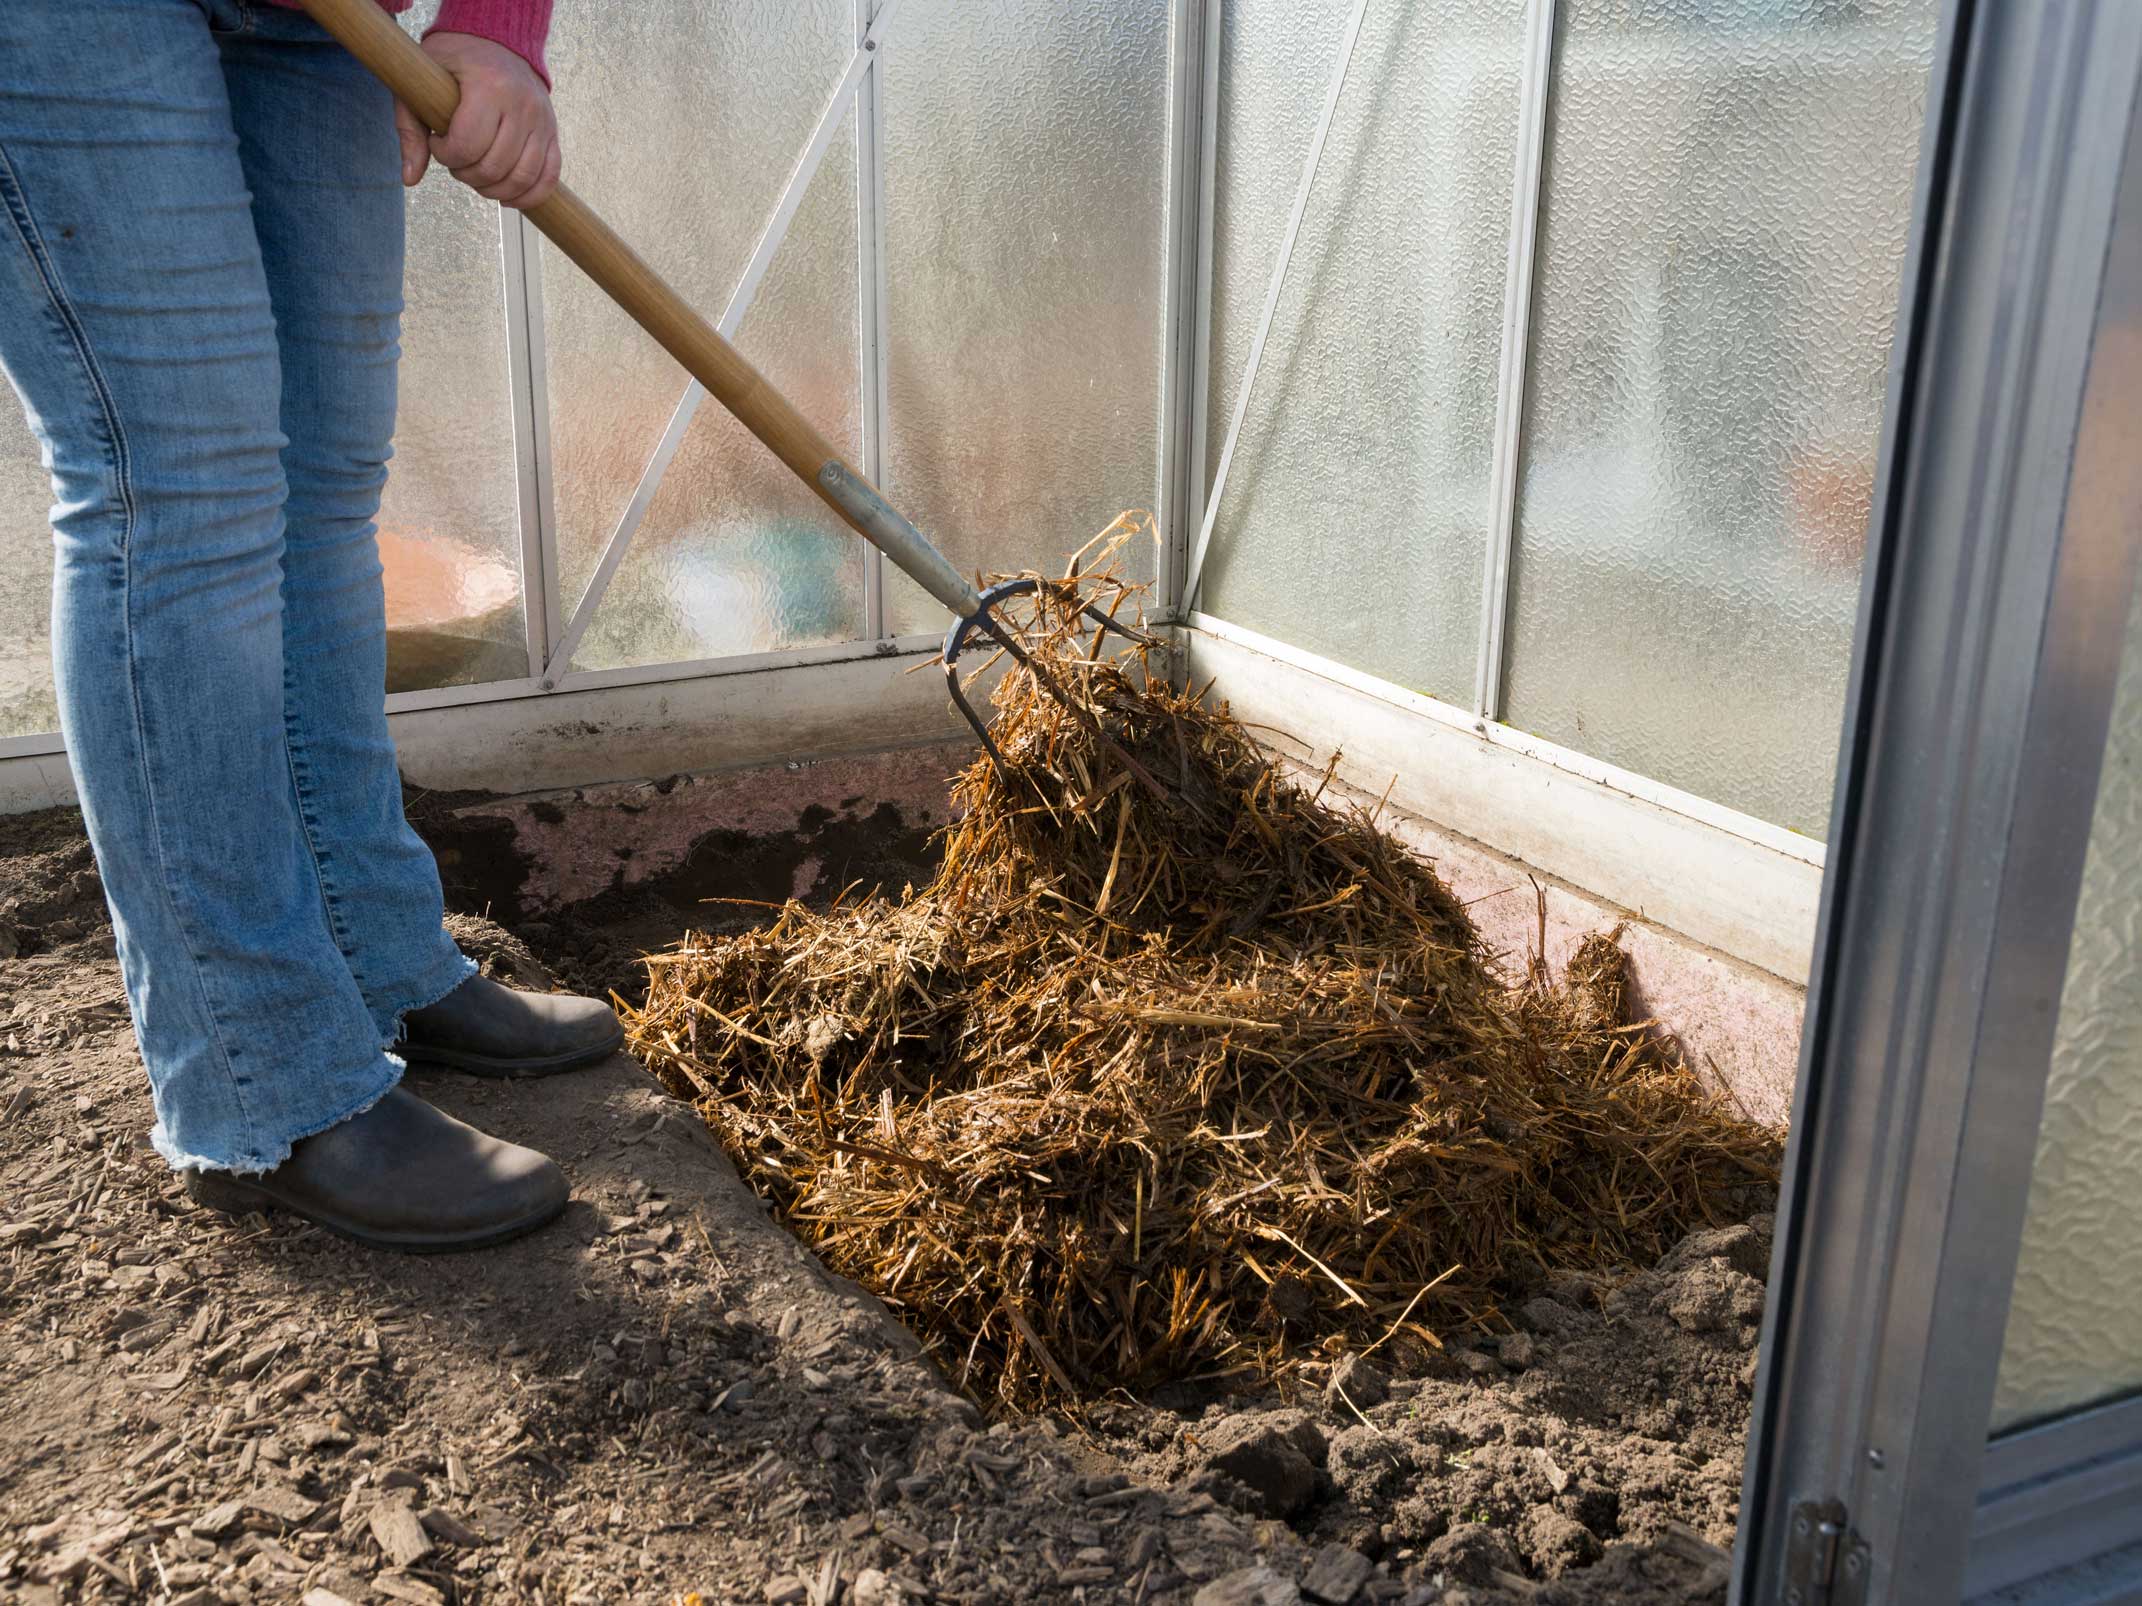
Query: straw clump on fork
x=1176, y=1067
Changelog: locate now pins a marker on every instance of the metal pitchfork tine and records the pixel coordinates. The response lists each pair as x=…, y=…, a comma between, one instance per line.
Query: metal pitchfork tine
x=430, y=91
x=985, y=619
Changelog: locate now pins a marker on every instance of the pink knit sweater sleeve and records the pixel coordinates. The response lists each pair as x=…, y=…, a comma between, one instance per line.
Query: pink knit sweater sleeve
x=520, y=25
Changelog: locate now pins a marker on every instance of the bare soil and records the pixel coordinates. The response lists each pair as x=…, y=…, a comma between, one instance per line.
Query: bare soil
x=664, y=1394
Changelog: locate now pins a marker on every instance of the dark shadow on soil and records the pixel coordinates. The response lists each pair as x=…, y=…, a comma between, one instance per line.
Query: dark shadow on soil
x=728, y=880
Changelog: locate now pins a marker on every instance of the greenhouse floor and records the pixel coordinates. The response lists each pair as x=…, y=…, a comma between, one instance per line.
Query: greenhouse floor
x=664, y=1394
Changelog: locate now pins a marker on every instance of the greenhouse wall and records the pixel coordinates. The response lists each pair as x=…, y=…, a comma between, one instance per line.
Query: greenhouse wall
x=1721, y=193
x=1561, y=439
x=1544, y=460
x=965, y=282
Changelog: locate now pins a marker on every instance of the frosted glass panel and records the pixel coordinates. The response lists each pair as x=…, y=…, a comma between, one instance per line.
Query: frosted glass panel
x=449, y=523
x=1355, y=516
x=1026, y=188
x=26, y=702
x=735, y=555
x=2075, y=1325
x=1728, y=191
x=681, y=124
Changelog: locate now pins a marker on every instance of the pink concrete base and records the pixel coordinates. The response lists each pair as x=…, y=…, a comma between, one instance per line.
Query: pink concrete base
x=571, y=839
x=1739, y=1026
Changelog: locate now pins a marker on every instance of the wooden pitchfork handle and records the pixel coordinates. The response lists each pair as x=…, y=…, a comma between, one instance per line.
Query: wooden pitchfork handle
x=429, y=90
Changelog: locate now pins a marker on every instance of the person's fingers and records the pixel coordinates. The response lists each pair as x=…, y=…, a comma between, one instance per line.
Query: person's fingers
x=416, y=143
x=472, y=135
x=495, y=165
x=527, y=168
x=503, y=140
x=547, y=185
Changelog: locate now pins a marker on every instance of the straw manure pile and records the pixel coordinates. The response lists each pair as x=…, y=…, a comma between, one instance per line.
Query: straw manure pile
x=1177, y=1068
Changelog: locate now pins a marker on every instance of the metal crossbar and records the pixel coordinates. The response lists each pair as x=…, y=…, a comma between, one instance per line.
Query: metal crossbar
x=1516, y=348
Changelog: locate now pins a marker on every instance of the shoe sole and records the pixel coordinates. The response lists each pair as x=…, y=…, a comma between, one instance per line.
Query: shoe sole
x=454, y=1059
x=220, y=1191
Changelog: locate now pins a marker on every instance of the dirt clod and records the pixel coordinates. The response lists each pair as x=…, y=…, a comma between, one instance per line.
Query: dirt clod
x=1355, y=1383
x=1266, y=1465
x=1709, y=1296
x=1555, y=1542
x=1473, y=1553
x=1740, y=1246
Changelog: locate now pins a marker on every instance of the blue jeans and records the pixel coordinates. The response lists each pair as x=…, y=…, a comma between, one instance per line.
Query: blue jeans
x=200, y=298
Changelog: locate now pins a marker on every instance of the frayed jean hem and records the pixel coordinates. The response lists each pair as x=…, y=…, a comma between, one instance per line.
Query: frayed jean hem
x=461, y=968
x=253, y=1165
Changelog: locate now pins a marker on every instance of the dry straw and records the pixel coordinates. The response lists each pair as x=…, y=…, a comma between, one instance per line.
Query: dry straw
x=1177, y=1068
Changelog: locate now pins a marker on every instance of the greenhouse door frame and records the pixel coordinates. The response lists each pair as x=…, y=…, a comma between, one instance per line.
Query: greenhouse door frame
x=1996, y=595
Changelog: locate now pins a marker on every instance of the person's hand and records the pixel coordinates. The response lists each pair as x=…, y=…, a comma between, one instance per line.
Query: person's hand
x=503, y=142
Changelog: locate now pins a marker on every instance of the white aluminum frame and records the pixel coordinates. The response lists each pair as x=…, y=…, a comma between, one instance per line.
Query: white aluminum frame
x=1193, y=80
x=780, y=712
x=33, y=744
x=1205, y=85
x=1535, y=88
x=1737, y=885
x=1807, y=849
x=2056, y=1494
x=528, y=386
x=873, y=324
x=745, y=663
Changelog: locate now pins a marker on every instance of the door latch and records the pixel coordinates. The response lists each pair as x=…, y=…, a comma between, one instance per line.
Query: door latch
x=1826, y=1564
